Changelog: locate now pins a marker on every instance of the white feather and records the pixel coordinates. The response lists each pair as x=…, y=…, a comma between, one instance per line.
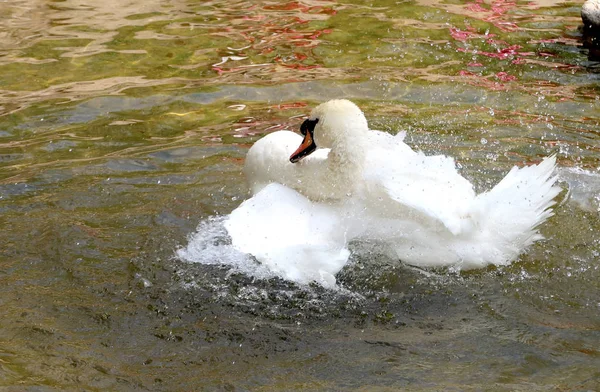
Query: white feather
x=371, y=186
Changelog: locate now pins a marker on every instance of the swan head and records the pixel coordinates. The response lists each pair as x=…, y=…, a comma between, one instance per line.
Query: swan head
x=329, y=125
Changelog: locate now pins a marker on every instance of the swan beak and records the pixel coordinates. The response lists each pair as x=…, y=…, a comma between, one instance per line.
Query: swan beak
x=306, y=148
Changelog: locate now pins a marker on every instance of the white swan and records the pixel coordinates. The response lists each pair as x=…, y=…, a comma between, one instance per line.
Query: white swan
x=590, y=15
x=370, y=185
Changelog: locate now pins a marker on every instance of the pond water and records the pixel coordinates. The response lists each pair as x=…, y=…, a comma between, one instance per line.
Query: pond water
x=124, y=125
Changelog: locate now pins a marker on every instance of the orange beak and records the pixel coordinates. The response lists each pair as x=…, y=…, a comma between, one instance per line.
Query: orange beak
x=306, y=148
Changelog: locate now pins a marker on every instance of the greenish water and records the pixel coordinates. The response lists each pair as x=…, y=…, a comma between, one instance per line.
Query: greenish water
x=124, y=125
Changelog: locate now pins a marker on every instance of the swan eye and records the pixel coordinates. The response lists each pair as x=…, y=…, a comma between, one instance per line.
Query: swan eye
x=308, y=126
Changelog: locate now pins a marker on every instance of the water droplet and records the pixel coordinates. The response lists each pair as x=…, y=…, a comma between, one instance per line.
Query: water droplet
x=483, y=141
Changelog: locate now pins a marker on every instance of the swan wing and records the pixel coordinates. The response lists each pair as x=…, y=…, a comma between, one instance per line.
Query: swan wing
x=298, y=239
x=428, y=188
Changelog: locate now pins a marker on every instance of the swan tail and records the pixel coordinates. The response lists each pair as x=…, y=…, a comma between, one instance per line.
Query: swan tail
x=508, y=216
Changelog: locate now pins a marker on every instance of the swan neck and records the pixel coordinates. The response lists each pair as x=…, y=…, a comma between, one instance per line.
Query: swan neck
x=346, y=159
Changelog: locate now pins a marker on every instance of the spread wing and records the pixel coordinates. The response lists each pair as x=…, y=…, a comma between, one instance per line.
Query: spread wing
x=427, y=187
x=297, y=239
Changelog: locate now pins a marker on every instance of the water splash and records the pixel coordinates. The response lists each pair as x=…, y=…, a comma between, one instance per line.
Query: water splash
x=211, y=245
x=584, y=187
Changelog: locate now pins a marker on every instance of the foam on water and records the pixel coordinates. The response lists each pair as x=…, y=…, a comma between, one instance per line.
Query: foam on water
x=286, y=234
x=584, y=187
x=211, y=245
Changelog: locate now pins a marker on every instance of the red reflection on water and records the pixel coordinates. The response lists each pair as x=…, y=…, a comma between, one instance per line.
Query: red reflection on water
x=468, y=34
x=505, y=77
x=295, y=5
x=273, y=34
x=494, y=82
x=471, y=41
x=502, y=54
x=496, y=11
x=290, y=105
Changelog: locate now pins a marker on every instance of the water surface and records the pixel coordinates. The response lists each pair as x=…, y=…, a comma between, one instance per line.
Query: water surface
x=124, y=125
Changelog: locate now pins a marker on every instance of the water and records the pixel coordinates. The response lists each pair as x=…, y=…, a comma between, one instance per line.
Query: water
x=124, y=125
